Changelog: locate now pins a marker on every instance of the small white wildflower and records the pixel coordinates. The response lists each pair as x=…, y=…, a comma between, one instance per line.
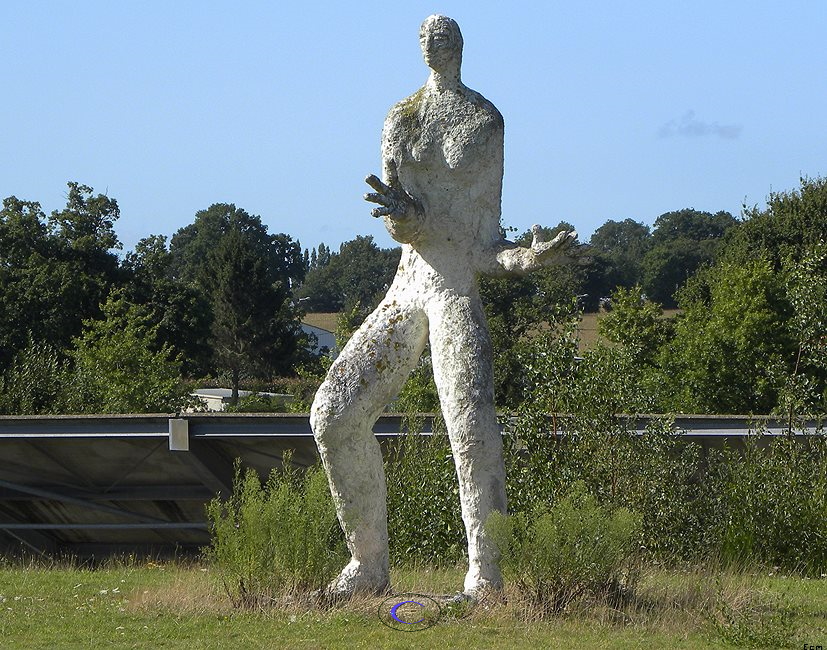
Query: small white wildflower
x=120, y=627
x=116, y=590
x=103, y=592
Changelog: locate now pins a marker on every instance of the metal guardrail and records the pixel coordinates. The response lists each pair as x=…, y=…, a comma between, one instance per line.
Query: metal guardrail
x=112, y=483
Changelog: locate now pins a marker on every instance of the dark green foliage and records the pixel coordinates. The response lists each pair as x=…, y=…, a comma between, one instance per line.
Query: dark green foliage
x=359, y=274
x=247, y=276
x=54, y=274
x=618, y=248
x=275, y=541
x=254, y=331
x=559, y=553
x=682, y=242
x=180, y=310
x=192, y=247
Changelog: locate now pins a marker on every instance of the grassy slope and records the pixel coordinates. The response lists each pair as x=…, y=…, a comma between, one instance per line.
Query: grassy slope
x=151, y=606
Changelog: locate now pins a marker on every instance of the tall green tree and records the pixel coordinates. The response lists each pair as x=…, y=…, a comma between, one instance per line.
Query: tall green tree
x=620, y=247
x=54, y=273
x=682, y=241
x=192, y=247
x=255, y=329
x=792, y=224
x=180, y=311
x=258, y=305
x=732, y=342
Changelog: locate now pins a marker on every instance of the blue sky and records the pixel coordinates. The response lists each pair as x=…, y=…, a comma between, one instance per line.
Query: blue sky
x=612, y=110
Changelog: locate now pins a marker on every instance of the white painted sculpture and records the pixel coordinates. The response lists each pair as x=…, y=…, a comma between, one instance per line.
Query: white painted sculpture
x=442, y=166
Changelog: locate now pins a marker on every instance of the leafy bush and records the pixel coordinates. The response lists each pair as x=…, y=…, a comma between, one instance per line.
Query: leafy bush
x=116, y=369
x=278, y=540
x=35, y=383
x=554, y=555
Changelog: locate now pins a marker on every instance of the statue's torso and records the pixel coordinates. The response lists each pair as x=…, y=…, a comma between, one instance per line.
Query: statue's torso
x=447, y=150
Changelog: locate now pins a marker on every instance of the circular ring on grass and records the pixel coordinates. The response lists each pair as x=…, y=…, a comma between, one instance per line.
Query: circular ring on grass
x=409, y=612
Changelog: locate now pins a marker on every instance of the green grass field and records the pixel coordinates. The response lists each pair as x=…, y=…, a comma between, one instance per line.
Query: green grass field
x=148, y=605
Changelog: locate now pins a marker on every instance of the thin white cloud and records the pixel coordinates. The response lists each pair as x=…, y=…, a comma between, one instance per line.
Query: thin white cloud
x=689, y=126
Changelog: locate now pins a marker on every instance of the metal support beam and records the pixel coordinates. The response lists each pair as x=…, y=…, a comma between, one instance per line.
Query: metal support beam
x=145, y=526
x=84, y=502
x=212, y=469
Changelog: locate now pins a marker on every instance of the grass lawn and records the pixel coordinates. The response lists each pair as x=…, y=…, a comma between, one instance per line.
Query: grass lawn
x=148, y=605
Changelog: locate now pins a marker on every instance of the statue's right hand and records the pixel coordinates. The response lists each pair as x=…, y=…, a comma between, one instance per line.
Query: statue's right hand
x=395, y=203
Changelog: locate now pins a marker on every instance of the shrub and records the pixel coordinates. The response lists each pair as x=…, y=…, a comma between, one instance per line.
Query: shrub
x=36, y=381
x=775, y=500
x=554, y=555
x=277, y=540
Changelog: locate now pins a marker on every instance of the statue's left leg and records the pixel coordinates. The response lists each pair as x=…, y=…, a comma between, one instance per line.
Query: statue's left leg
x=464, y=374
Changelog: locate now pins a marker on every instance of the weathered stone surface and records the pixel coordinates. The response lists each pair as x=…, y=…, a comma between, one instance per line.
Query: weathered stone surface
x=442, y=166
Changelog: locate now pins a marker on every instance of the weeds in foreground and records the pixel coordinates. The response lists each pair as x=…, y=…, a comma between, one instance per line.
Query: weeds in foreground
x=753, y=620
x=555, y=555
x=277, y=541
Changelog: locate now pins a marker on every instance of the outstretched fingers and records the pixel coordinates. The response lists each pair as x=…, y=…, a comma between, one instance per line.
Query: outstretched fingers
x=378, y=185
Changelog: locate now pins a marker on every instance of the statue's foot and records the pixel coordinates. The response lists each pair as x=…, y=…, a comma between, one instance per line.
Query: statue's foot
x=477, y=587
x=355, y=578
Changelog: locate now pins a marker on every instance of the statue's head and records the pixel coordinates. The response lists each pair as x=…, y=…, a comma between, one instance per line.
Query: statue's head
x=441, y=43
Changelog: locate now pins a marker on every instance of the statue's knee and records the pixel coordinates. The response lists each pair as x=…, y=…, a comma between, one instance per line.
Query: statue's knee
x=319, y=416
x=327, y=417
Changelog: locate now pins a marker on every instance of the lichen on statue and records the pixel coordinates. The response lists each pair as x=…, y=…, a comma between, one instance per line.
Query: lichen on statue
x=440, y=197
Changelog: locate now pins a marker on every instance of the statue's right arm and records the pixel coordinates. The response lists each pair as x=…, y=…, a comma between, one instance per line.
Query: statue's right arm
x=402, y=213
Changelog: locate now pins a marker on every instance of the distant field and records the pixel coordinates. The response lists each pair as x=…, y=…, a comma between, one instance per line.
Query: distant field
x=587, y=330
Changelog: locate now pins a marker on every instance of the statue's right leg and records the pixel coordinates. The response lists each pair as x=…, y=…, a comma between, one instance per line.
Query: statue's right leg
x=363, y=379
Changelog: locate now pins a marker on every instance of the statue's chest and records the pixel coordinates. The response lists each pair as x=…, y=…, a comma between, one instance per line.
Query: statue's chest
x=446, y=131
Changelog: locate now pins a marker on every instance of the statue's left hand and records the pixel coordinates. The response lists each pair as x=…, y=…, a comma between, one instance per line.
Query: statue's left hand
x=546, y=252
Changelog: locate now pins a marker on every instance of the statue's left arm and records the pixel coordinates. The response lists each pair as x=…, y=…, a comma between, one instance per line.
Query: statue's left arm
x=511, y=258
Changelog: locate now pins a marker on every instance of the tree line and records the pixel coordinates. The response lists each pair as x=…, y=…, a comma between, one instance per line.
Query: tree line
x=84, y=330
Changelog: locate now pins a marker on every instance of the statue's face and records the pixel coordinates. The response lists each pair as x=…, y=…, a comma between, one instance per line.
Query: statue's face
x=441, y=43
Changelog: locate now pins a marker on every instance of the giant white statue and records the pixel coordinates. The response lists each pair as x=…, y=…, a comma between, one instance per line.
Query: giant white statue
x=442, y=167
